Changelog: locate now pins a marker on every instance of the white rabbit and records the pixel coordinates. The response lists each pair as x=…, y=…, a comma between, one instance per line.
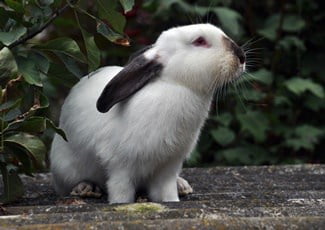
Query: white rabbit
x=148, y=116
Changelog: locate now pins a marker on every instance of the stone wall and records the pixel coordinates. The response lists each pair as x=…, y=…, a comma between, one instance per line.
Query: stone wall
x=265, y=197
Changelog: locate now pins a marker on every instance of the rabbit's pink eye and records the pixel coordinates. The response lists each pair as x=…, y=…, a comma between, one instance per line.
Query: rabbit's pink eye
x=200, y=41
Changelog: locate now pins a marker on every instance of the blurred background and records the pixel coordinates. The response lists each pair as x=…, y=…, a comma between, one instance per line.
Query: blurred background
x=273, y=115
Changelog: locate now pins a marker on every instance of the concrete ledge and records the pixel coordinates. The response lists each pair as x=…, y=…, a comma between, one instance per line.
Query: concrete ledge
x=265, y=197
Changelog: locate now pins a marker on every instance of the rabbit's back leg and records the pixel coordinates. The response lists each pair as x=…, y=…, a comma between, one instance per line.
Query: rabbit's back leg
x=87, y=189
x=183, y=187
x=62, y=162
x=70, y=169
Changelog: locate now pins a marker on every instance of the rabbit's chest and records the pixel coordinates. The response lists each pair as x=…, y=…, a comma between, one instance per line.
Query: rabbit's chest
x=152, y=127
x=166, y=126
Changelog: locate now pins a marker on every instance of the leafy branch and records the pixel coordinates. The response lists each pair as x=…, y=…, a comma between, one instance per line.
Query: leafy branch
x=28, y=74
x=55, y=15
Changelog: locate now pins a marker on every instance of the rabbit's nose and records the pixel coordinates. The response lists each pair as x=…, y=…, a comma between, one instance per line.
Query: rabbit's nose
x=232, y=46
x=238, y=52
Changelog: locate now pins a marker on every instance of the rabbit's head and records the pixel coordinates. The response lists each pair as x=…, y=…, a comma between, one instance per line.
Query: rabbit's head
x=200, y=57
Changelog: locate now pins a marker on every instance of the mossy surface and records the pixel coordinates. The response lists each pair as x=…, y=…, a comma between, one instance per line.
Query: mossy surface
x=275, y=197
x=140, y=207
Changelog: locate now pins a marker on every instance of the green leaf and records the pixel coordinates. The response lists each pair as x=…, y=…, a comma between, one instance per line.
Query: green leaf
x=224, y=118
x=245, y=155
x=13, y=186
x=109, y=34
x=41, y=61
x=297, y=144
x=293, y=23
x=238, y=155
x=30, y=125
x=252, y=94
x=127, y=5
x=23, y=157
x=4, y=17
x=8, y=65
x=35, y=125
x=35, y=14
x=32, y=144
x=43, y=3
x=262, y=75
x=292, y=41
x=60, y=76
x=115, y=19
x=229, y=19
x=308, y=132
x=255, y=123
x=59, y=131
x=66, y=46
x=93, y=53
x=282, y=100
x=224, y=136
x=270, y=27
x=70, y=64
x=306, y=137
x=300, y=85
x=15, y=5
x=12, y=114
x=43, y=101
x=9, y=105
x=29, y=71
x=13, y=35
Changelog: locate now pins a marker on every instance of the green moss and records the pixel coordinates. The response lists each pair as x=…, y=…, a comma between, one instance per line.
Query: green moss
x=140, y=207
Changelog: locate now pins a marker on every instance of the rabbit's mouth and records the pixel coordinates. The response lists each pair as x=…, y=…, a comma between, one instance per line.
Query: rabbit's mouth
x=240, y=71
x=237, y=68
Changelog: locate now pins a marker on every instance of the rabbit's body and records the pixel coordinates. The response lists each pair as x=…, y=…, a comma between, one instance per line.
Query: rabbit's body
x=124, y=139
x=143, y=139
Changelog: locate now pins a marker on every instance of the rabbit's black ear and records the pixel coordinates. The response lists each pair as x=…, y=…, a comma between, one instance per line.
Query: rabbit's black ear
x=136, y=74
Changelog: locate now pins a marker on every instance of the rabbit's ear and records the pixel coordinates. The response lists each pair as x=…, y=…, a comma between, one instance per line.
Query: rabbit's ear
x=136, y=74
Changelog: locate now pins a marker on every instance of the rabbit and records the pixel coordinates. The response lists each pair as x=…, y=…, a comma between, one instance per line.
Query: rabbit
x=132, y=127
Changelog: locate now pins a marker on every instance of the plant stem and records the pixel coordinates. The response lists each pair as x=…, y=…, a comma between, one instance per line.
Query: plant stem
x=277, y=53
x=4, y=99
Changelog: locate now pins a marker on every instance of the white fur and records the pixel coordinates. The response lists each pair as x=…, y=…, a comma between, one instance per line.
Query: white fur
x=142, y=141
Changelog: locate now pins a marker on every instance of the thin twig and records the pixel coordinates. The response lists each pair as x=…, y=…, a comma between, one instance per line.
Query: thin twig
x=250, y=16
x=34, y=33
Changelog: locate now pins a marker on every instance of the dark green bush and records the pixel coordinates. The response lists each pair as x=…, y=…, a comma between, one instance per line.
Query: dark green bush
x=274, y=114
x=34, y=66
